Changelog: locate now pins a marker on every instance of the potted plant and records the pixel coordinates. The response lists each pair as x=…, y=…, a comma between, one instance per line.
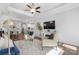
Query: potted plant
x=39, y=27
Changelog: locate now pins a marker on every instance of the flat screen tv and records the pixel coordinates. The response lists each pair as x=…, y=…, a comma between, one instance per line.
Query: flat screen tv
x=49, y=25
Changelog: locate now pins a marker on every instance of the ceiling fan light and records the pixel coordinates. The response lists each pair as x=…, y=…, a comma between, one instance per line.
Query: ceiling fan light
x=32, y=10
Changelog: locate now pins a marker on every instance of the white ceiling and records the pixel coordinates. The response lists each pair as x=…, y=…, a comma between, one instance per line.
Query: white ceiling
x=44, y=6
x=47, y=10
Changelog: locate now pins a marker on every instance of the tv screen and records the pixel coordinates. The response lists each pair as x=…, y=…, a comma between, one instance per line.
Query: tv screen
x=49, y=25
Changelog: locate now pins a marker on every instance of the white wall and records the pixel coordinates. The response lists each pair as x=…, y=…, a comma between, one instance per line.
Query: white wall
x=67, y=24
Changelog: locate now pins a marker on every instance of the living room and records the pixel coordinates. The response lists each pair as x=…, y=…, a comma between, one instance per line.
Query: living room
x=39, y=28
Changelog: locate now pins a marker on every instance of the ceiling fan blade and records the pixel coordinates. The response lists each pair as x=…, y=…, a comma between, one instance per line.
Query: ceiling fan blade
x=38, y=11
x=15, y=10
x=29, y=6
x=37, y=8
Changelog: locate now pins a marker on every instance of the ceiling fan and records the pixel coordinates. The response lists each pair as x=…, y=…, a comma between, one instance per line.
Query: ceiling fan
x=32, y=8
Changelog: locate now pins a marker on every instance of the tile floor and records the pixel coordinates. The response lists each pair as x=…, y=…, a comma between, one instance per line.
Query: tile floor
x=27, y=47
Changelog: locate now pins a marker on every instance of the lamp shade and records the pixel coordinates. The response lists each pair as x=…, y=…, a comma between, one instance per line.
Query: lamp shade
x=8, y=23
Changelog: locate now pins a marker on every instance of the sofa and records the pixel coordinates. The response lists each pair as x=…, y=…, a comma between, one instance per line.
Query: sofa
x=13, y=51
